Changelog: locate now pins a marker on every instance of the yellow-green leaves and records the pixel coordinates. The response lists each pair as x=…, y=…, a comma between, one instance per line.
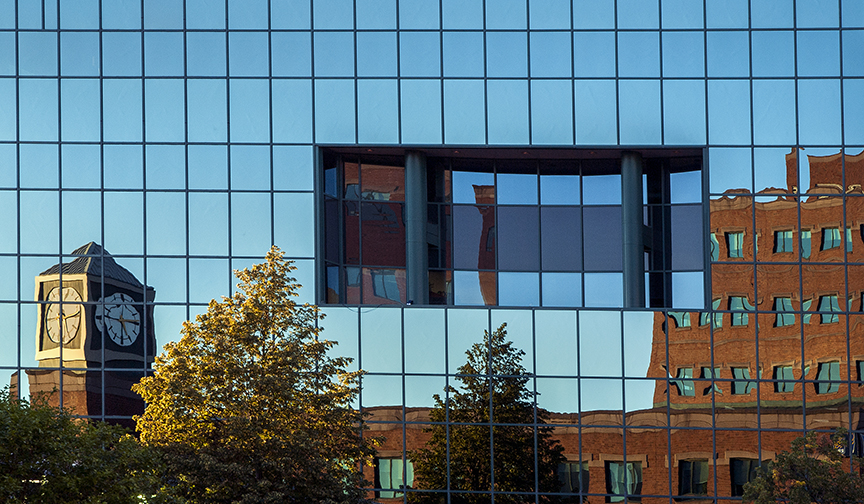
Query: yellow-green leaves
x=248, y=405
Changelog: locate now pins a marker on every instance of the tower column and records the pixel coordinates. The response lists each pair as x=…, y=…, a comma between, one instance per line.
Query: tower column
x=417, y=253
x=631, y=213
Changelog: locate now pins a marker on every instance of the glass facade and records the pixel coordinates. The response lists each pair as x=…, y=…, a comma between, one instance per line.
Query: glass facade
x=150, y=147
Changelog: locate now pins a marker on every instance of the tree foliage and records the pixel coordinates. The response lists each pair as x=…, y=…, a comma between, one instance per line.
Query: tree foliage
x=249, y=407
x=47, y=456
x=813, y=470
x=494, y=389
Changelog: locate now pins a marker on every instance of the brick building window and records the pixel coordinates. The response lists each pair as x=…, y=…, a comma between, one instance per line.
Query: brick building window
x=384, y=284
x=829, y=306
x=693, y=477
x=743, y=472
x=805, y=243
x=684, y=382
x=735, y=244
x=740, y=305
x=682, y=319
x=715, y=247
x=573, y=477
x=785, y=379
x=830, y=238
x=706, y=317
x=783, y=241
x=708, y=374
x=623, y=481
x=828, y=378
x=741, y=383
x=392, y=475
x=805, y=307
x=783, y=307
x=848, y=239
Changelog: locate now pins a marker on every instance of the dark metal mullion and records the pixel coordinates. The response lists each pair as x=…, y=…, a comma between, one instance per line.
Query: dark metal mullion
x=404, y=412
x=662, y=110
x=846, y=237
x=489, y=377
x=447, y=400
x=617, y=84
x=342, y=271
x=528, y=81
x=709, y=294
x=102, y=226
x=60, y=202
x=186, y=193
x=230, y=168
x=398, y=79
x=581, y=302
x=572, y=34
x=39, y=307
x=315, y=165
x=534, y=404
x=443, y=118
x=143, y=193
x=356, y=83
x=146, y=320
x=624, y=403
x=621, y=316
x=800, y=257
x=755, y=247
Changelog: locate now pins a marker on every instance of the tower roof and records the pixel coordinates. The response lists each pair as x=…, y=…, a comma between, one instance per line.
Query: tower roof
x=91, y=260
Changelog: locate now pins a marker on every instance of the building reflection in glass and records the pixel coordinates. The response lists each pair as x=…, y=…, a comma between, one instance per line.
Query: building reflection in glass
x=738, y=383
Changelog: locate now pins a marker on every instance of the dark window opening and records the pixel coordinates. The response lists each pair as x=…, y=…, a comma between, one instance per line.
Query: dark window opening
x=498, y=230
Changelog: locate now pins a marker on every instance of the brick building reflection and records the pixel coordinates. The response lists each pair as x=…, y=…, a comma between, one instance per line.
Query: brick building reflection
x=374, y=239
x=777, y=355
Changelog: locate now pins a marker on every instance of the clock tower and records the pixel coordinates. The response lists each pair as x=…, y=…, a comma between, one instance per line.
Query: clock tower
x=95, y=329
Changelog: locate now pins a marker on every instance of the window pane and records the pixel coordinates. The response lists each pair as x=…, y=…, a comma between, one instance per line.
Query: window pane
x=518, y=233
x=561, y=232
x=383, y=234
x=602, y=230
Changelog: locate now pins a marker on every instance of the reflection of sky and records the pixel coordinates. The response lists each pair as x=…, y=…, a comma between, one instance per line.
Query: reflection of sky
x=563, y=349
x=125, y=117
x=464, y=182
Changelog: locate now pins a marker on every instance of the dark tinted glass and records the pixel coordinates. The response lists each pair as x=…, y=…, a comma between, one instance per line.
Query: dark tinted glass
x=519, y=238
x=561, y=231
x=602, y=228
x=332, y=284
x=352, y=181
x=385, y=183
x=383, y=234
x=331, y=230
x=687, y=237
x=352, y=232
x=474, y=237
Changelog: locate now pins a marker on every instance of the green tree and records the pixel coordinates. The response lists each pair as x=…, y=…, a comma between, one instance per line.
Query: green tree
x=47, y=456
x=249, y=407
x=813, y=470
x=493, y=389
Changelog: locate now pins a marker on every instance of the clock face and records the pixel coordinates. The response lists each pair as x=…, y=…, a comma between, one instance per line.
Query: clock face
x=64, y=314
x=118, y=319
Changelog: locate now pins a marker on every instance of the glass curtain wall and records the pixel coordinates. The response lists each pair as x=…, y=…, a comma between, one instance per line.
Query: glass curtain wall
x=150, y=147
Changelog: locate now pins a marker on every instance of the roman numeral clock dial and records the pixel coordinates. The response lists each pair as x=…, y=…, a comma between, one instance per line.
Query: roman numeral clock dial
x=118, y=319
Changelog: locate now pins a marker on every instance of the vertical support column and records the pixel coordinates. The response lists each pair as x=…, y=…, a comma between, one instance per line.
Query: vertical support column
x=416, y=249
x=631, y=213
